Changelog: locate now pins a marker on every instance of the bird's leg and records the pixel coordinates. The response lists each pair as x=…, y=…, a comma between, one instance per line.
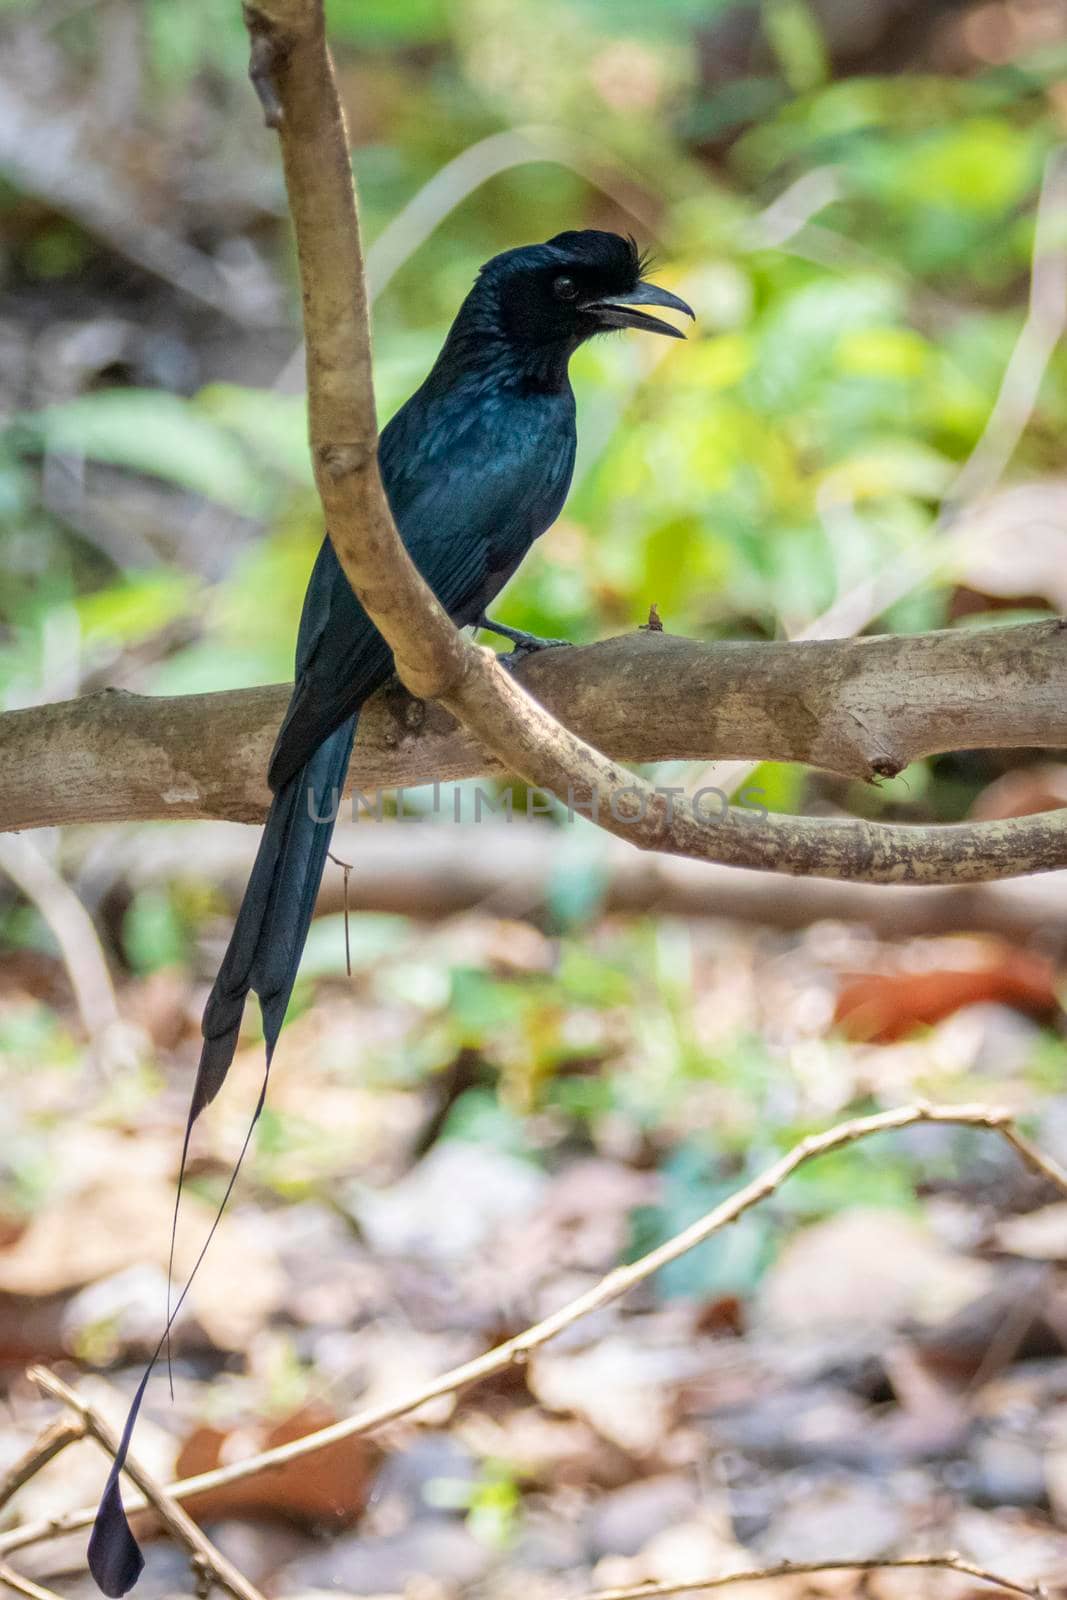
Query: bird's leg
x=525, y=644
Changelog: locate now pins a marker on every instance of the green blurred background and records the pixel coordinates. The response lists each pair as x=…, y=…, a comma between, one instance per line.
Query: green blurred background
x=857, y=199
x=846, y=193
x=865, y=201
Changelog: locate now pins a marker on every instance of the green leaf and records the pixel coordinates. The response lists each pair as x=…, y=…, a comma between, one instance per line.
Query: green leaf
x=133, y=609
x=370, y=937
x=794, y=35
x=152, y=932
x=160, y=435
x=273, y=426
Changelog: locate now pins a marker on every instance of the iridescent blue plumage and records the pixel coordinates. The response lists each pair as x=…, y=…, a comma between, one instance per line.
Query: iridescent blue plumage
x=475, y=466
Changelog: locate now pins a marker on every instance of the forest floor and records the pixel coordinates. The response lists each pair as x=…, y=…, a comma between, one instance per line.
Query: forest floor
x=472, y=1131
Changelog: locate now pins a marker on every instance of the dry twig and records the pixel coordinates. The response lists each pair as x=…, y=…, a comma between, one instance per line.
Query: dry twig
x=25, y=1586
x=207, y=1560
x=610, y=1288
x=792, y=1569
x=56, y=1437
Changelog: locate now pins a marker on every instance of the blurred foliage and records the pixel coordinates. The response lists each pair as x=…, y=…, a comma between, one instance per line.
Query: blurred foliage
x=157, y=513
x=709, y=472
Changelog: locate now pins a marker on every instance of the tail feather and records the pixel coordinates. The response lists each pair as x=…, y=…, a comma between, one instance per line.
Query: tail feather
x=263, y=956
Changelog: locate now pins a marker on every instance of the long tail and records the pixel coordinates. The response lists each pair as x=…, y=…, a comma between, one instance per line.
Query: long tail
x=263, y=956
x=272, y=925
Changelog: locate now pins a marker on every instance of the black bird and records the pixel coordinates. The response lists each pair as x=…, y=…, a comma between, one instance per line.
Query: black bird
x=476, y=466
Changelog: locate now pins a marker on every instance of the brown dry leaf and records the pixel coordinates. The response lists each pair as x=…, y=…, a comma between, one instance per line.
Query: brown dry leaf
x=327, y=1487
x=880, y=1007
x=124, y=1220
x=31, y=1330
x=865, y=1271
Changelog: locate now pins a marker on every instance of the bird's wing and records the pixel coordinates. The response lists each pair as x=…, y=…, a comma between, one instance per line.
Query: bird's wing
x=463, y=519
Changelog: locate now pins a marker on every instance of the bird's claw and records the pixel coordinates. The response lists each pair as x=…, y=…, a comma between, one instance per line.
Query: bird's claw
x=521, y=651
x=523, y=644
x=531, y=643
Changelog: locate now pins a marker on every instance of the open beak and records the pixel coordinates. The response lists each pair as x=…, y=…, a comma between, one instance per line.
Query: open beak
x=617, y=310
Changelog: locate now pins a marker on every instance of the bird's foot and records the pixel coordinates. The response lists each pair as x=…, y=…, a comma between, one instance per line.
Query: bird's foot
x=523, y=644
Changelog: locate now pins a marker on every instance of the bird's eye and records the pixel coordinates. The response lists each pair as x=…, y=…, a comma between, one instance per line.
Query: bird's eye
x=565, y=288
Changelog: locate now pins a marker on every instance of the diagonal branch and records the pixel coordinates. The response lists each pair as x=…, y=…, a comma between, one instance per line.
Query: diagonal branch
x=207, y=1560
x=433, y=660
x=612, y=1287
x=24, y=1586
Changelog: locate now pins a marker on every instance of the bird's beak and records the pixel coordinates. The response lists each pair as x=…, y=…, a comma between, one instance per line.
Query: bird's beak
x=617, y=310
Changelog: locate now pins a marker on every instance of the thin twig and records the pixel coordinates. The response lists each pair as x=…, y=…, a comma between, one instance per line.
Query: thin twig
x=346, y=868
x=72, y=927
x=206, y=1558
x=610, y=1288
x=24, y=1586
x=56, y=1437
x=791, y=1569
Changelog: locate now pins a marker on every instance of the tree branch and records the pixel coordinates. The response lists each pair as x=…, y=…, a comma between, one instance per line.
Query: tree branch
x=431, y=872
x=208, y=1561
x=860, y=707
x=793, y=1569
x=55, y=1438
x=612, y=1287
x=432, y=659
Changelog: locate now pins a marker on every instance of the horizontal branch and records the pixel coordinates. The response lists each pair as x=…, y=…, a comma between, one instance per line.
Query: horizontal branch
x=431, y=872
x=859, y=707
x=797, y=1569
x=294, y=75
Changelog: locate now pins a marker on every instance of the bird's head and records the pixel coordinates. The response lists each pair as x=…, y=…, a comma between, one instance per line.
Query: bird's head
x=576, y=285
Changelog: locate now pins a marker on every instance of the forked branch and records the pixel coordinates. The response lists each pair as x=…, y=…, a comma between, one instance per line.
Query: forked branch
x=433, y=660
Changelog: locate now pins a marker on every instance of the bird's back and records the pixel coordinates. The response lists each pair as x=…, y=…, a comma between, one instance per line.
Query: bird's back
x=474, y=472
